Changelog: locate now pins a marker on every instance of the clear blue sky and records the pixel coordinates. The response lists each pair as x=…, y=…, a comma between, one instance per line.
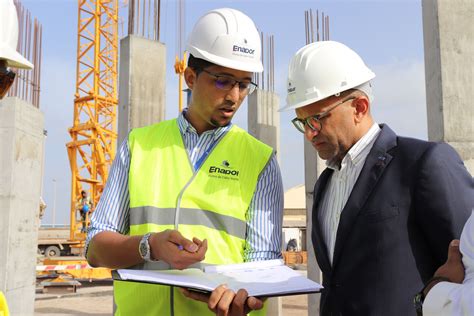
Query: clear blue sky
x=387, y=34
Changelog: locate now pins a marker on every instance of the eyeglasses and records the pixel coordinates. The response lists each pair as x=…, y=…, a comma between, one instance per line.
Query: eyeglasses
x=227, y=83
x=6, y=81
x=314, y=121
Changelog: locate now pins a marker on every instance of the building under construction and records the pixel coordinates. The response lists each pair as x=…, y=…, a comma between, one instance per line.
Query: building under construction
x=108, y=101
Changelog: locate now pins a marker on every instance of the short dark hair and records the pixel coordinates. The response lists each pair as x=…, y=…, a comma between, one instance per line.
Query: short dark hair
x=198, y=64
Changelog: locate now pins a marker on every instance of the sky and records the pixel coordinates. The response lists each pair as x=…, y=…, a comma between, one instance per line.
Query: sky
x=387, y=34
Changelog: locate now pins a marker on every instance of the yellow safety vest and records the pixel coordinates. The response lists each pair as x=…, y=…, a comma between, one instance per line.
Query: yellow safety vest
x=210, y=203
x=3, y=305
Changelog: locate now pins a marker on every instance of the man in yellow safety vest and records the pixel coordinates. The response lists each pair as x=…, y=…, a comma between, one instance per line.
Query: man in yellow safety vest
x=197, y=189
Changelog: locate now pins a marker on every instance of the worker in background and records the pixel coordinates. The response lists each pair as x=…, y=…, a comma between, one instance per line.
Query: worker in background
x=451, y=290
x=386, y=207
x=84, y=207
x=9, y=57
x=197, y=189
x=42, y=208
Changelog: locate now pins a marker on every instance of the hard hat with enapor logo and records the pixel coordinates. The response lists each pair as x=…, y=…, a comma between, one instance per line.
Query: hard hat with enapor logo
x=322, y=69
x=228, y=38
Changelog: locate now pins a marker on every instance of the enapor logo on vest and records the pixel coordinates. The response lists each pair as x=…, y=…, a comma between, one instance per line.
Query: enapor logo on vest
x=224, y=171
x=213, y=169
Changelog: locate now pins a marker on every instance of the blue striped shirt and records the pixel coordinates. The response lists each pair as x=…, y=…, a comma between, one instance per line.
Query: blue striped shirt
x=264, y=216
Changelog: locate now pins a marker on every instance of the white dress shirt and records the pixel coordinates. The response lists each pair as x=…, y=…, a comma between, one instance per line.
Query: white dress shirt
x=447, y=298
x=340, y=185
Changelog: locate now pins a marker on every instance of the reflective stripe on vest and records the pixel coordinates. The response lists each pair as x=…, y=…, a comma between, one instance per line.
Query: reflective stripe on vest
x=149, y=214
x=210, y=203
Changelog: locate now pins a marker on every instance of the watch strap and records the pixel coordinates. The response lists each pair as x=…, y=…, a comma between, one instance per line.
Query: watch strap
x=432, y=282
x=419, y=298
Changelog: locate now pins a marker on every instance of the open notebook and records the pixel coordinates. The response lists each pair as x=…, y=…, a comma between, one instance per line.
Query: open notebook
x=260, y=278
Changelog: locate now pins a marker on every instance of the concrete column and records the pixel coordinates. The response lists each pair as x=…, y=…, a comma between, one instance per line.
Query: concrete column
x=142, y=84
x=264, y=118
x=448, y=34
x=21, y=154
x=313, y=166
x=264, y=124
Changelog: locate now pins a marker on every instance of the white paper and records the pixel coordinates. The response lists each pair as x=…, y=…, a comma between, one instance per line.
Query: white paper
x=246, y=265
x=262, y=278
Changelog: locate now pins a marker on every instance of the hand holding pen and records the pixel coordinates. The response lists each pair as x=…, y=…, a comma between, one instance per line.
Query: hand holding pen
x=179, y=252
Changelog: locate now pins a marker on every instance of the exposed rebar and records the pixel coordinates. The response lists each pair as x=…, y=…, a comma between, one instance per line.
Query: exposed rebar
x=321, y=25
x=144, y=18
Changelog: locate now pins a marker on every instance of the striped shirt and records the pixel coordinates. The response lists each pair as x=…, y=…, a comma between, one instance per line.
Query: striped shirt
x=264, y=216
x=340, y=186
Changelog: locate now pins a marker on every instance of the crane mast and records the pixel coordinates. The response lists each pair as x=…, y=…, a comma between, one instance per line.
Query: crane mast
x=94, y=132
x=180, y=64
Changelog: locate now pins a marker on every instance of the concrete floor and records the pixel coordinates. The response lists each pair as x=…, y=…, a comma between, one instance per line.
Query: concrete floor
x=96, y=299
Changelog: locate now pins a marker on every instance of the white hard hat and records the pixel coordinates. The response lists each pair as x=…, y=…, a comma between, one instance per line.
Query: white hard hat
x=322, y=69
x=9, y=36
x=228, y=38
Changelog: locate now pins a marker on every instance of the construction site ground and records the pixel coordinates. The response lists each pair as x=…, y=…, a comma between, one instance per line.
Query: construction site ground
x=95, y=298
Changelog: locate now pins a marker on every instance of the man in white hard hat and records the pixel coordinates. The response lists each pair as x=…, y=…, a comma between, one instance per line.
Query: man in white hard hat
x=9, y=57
x=386, y=207
x=193, y=190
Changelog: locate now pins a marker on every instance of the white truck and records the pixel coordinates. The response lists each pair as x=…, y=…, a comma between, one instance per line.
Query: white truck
x=55, y=242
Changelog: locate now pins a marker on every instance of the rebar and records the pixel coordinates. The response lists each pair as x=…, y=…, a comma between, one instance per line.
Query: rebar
x=144, y=18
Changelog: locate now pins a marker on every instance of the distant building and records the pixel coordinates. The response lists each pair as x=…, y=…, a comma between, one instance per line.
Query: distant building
x=294, y=218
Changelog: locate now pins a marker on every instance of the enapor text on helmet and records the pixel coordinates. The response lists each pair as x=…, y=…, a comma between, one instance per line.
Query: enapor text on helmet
x=243, y=49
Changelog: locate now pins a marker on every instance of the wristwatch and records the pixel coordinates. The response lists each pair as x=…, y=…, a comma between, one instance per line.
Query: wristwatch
x=418, y=301
x=144, y=248
x=419, y=298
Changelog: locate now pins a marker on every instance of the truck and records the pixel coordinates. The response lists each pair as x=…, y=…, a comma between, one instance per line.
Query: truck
x=55, y=242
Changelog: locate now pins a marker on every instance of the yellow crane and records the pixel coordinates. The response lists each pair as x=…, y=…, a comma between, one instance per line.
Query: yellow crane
x=180, y=64
x=93, y=135
x=179, y=68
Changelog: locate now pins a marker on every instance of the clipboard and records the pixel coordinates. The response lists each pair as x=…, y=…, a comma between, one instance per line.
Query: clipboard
x=262, y=278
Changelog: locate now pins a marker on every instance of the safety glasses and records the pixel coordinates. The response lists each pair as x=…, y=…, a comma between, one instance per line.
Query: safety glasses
x=223, y=82
x=314, y=121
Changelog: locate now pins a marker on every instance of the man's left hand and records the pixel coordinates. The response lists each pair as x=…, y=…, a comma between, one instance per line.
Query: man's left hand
x=225, y=302
x=453, y=269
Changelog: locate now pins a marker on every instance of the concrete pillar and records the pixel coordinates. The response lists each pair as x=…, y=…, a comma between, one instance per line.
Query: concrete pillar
x=21, y=154
x=313, y=166
x=263, y=121
x=448, y=34
x=264, y=118
x=142, y=84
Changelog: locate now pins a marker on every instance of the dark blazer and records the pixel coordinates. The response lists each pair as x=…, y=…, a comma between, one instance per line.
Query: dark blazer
x=411, y=199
